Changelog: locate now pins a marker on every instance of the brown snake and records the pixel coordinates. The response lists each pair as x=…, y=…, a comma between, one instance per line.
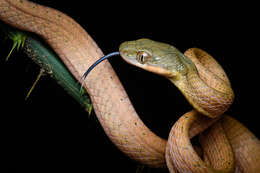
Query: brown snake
x=228, y=146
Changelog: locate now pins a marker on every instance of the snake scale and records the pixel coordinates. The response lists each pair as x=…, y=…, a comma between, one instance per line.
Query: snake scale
x=227, y=145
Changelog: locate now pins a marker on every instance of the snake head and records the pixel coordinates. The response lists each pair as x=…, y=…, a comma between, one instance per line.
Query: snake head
x=156, y=57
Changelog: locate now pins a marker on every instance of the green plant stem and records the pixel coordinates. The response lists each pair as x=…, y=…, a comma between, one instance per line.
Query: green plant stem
x=42, y=55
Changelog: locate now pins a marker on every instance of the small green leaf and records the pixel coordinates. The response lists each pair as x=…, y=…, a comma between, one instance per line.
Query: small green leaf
x=18, y=41
x=14, y=45
x=35, y=82
x=89, y=108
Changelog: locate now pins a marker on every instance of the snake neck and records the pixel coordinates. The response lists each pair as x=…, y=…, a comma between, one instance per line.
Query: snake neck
x=204, y=98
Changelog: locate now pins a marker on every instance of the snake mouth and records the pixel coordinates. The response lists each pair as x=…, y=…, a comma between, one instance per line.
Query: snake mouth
x=159, y=70
x=148, y=67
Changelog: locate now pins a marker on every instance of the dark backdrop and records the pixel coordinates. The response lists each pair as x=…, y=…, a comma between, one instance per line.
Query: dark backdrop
x=51, y=132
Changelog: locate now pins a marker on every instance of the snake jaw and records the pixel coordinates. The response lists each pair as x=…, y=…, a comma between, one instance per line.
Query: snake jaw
x=148, y=67
x=161, y=71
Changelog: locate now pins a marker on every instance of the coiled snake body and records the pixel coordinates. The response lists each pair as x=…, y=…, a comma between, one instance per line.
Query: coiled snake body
x=228, y=146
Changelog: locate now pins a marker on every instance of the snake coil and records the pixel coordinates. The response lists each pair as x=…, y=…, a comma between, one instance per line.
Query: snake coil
x=228, y=146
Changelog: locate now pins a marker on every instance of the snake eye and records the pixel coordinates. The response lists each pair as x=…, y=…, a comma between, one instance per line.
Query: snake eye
x=142, y=57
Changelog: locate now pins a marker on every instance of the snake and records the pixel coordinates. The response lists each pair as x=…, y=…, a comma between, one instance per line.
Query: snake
x=227, y=145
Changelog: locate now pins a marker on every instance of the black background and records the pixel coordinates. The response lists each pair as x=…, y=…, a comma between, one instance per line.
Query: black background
x=51, y=132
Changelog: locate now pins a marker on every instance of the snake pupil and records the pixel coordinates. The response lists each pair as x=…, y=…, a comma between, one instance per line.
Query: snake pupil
x=142, y=57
